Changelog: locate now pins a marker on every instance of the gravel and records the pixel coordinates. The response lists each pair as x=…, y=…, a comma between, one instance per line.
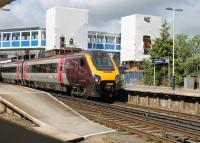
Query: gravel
x=116, y=137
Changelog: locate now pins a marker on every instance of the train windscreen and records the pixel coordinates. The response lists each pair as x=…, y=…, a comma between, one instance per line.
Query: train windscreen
x=102, y=61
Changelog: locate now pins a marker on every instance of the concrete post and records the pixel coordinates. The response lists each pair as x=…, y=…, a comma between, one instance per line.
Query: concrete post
x=158, y=102
x=197, y=107
x=182, y=105
x=169, y=103
x=147, y=100
x=137, y=99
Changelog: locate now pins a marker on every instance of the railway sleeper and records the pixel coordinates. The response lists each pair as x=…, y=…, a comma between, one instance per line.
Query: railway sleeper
x=140, y=121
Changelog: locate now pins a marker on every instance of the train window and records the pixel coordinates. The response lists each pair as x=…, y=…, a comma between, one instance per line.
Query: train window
x=102, y=61
x=42, y=68
x=54, y=68
x=82, y=63
x=47, y=68
x=9, y=69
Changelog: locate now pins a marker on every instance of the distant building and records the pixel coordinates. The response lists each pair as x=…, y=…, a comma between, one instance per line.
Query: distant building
x=138, y=32
x=33, y=38
x=108, y=42
x=66, y=27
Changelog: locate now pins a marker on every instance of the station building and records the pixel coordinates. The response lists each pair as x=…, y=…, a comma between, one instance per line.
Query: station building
x=23, y=39
x=138, y=33
x=108, y=42
x=130, y=46
x=33, y=39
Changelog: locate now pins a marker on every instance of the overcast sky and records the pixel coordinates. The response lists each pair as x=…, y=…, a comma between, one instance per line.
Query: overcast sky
x=104, y=15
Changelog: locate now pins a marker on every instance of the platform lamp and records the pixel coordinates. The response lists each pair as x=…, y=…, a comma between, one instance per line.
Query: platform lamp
x=4, y=9
x=173, y=75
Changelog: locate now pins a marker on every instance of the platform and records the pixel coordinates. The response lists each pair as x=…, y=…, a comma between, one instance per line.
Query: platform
x=52, y=116
x=163, y=90
x=179, y=100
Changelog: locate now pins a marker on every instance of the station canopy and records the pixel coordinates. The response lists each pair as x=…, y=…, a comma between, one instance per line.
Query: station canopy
x=5, y=2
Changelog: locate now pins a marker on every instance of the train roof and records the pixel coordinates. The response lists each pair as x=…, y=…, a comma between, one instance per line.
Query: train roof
x=65, y=55
x=55, y=57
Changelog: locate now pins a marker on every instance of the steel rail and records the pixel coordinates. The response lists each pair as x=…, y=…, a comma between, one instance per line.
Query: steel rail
x=115, y=110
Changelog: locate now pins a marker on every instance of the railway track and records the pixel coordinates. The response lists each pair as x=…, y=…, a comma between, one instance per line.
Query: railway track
x=168, y=112
x=159, y=127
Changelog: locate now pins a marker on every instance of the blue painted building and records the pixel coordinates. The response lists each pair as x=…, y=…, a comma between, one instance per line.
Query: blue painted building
x=34, y=38
x=108, y=42
x=104, y=41
x=23, y=38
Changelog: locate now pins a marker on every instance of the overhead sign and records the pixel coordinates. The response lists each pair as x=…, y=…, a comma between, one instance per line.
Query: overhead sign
x=160, y=61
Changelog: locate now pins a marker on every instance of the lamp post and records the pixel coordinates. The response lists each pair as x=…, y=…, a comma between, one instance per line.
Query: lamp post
x=4, y=9
x=173, y=74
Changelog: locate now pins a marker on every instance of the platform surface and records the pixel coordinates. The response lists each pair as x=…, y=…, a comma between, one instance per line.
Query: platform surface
x=49, y=113
x=163, y=90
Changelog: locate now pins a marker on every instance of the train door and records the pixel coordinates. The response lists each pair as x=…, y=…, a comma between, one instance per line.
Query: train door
x=84, y=75
x=71, y=65
x=60, y=70
x=18, y=71
x=24, y=71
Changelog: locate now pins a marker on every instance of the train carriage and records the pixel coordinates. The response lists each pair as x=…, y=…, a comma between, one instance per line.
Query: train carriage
x=11, y=72
x=86, y=73
x=45, y=73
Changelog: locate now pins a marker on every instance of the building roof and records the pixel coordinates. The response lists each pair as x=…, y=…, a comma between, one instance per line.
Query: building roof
x=5, y=2
x=102, y=33
x=22, y=29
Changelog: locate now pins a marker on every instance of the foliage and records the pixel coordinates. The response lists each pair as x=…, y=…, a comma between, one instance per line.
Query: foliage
x=195, y=43
x=161, y=48
x=187, y=56
x=148, y=73
x=192, y=65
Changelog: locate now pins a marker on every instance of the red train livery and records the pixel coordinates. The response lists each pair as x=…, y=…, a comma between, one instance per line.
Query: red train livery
x=87, y=73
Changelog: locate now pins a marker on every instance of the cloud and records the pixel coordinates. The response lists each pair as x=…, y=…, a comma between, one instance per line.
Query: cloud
x=104, y=15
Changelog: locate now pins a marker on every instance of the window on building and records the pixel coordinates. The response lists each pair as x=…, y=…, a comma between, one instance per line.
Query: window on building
x=34, y=35
x=6, y=36
x=146, y=43
x=15, y=36
x=118, y=40
x=110, y=39
x=43, y=35
x=94, y=38
x=100, y=39
x=25, y=35
x=90, y=38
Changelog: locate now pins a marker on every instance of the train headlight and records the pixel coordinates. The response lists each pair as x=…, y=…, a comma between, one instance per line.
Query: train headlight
x=97, y=78
x=117, y=78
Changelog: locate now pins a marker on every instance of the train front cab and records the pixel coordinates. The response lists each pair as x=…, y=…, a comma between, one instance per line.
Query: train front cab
x=105, y=73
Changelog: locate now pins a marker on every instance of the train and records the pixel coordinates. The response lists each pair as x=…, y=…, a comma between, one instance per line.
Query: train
x=85, y=74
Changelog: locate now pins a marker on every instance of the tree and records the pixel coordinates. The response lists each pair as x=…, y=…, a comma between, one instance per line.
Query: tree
x=183, y=50
x=195, y=45
x=187, y=56
x=161, y=48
